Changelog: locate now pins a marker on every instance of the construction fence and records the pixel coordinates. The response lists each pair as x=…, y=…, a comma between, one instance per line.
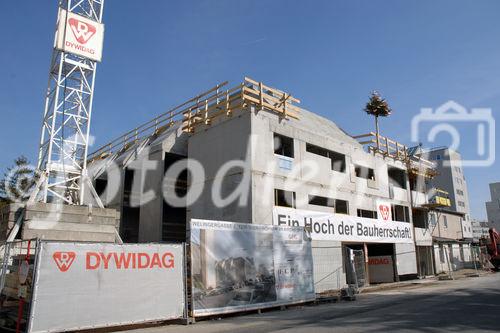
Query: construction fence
x=16, y=283
x=66, y=286
x=454, y=257
x=53, y=286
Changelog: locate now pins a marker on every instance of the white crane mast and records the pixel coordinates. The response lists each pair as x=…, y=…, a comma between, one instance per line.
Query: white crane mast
x=65, y=134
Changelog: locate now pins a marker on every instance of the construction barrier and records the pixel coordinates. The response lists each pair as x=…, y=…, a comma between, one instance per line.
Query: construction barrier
x=16, y=283
x=239, y=267
x=55, y=286
x=90, y=285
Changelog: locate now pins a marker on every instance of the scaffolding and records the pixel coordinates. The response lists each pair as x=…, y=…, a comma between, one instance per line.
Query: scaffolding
x=439, y=199
x=416, y=165
x=418, y=169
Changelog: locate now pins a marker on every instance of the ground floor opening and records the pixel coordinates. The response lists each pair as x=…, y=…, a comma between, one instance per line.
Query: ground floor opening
x=369, y=263
x=425, y=261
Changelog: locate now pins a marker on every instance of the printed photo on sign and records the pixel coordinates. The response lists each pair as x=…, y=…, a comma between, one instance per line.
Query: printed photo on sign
x=237, y=267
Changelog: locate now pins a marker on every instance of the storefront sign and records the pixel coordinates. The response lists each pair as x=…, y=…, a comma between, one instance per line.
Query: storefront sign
x=339, y=227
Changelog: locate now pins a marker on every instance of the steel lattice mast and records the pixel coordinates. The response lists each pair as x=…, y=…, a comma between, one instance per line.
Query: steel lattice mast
x=68, y=106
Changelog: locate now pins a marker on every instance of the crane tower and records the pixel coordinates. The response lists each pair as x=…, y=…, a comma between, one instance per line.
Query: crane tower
x=64, y=141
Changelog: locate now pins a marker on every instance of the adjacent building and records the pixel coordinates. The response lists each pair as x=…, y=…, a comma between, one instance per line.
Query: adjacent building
x=450, y=177
x=493, y=207
x=451, y=251
x=447, y=214
x=480, y=230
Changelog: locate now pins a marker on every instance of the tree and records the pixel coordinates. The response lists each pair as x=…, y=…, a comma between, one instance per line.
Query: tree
x=377, y=107
x=18, y=182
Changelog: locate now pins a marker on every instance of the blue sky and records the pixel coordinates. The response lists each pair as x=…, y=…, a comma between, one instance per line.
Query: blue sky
x=330, y=54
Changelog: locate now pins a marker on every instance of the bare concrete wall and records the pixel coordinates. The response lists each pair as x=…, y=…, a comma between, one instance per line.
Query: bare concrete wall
x=214, y=146
x=346, y=186
x=150, y=216
x=148, y=166
x=62, y=222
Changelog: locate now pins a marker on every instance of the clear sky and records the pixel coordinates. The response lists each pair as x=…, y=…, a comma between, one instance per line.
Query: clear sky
x=330, y=54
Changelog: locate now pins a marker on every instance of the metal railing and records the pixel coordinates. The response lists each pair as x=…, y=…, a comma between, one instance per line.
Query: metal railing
x=155, y=126
x=391, y=148
x=202, y=109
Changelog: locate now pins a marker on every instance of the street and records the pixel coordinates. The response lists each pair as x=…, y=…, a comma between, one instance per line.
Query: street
x=466, y=305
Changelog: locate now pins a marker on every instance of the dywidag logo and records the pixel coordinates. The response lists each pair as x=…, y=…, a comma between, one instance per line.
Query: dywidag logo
x=81, y=30
x=64, y=260
x=384, y=210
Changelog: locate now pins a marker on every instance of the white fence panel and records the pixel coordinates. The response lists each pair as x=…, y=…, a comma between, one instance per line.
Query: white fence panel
x=90, y=285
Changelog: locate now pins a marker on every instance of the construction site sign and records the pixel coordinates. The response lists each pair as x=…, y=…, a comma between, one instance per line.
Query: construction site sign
x=91, y=285
x=340, y=227
x=79, y=35
x=239, y=266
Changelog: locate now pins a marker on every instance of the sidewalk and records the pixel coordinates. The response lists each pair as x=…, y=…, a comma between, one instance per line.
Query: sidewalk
x=398, y=285
x=410, y=284
x=467, y=272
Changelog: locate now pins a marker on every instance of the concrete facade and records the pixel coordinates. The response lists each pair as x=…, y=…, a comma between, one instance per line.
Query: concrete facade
x=493, y=207
x=248, y=136
x=243, y=147
x=242, y=169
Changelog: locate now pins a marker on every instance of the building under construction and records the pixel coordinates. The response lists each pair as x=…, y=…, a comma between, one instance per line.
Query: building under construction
x=260, y=138
x=247, y=154
x=233, y=153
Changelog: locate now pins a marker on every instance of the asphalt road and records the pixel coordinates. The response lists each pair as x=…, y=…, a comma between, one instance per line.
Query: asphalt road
x=467, y=305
